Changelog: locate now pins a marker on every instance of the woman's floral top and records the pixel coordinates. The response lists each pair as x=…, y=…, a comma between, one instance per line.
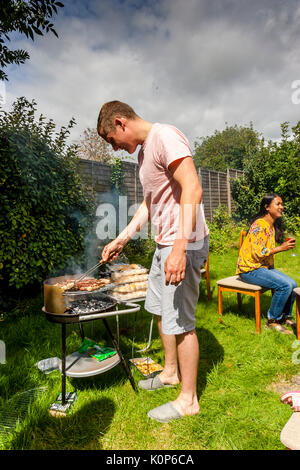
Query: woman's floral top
x=255, y=251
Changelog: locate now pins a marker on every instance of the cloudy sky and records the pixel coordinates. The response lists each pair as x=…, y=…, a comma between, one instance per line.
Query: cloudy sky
x=196, y=64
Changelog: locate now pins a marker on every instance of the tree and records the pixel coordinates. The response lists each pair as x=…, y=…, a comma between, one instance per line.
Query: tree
x=45, y=211
x=229, y=148
x=93, y=147
x=26, y=17
x=272, y=168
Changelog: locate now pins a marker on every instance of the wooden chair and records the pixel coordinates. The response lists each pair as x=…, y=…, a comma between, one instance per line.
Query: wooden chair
x=297, y=290
x=235, y=284
x=205, y=275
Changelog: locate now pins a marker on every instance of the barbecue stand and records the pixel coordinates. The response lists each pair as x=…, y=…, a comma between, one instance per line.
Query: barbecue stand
x=142, y=299
x=77, y=365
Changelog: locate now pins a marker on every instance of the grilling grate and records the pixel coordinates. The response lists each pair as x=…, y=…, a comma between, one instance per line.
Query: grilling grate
x=16, y=409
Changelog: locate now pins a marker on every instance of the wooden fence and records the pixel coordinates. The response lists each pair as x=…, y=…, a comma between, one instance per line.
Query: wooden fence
x=215, y=184
x=216, y=189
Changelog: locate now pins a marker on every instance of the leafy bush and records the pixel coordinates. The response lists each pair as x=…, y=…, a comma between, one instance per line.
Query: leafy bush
x=117, y=176
x=140, y=251
x=44, y=209
x=229, y=148
x=292, y=224
x=223, y=231
x=26, y=17
x=273, y=168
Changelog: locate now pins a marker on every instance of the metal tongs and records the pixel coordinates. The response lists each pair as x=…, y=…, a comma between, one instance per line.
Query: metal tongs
x=89, y=271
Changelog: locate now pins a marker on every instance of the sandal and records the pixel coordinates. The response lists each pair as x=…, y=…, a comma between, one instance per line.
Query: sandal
x=153, y=384
x=288, y=321
x=271, y=324
x=292, y=398
x=164, y=413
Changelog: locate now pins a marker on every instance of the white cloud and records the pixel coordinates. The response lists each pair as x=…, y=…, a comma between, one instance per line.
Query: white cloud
x=194, y=64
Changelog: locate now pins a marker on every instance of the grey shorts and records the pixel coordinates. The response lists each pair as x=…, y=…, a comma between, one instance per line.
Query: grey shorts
x=176, y=304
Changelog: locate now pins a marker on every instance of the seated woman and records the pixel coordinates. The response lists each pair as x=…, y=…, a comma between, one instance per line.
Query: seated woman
x=256, y=262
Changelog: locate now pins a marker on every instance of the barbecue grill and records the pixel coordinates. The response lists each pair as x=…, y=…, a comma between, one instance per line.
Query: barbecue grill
x=74, y=307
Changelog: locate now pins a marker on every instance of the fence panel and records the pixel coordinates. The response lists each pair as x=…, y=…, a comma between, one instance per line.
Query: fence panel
x=215, y=184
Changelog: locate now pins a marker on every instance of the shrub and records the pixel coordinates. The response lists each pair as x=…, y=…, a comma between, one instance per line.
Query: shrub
x=140, y=251
x=292, y=224
x=229, y=148
x=224, y=231
x=273, y=168
x=44, y=209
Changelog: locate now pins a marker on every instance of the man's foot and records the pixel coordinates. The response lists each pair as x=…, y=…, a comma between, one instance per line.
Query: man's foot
x=174, y=410
x=169, y=379
x=160, y=381
x=186, y=407
x=153, y=384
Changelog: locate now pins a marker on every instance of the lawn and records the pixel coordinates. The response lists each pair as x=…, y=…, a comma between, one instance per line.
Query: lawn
x=238, y=373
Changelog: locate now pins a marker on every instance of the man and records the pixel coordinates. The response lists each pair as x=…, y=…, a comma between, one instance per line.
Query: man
x=172, y=196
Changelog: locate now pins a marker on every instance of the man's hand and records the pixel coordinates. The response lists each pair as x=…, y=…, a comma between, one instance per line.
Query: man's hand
x=175, y=266
x=116, y=245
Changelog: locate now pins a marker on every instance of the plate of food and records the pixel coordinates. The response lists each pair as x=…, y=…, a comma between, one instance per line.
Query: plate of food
x=146, y=366
x=128, y=272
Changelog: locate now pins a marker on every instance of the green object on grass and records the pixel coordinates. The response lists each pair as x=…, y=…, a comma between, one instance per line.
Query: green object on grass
x=96, y=350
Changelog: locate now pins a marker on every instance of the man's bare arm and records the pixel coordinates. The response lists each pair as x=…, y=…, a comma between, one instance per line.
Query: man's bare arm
x=138, y=220
x=184, y=172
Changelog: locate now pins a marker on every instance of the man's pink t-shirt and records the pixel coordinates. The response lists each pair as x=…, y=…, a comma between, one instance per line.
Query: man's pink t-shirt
x=165, y=144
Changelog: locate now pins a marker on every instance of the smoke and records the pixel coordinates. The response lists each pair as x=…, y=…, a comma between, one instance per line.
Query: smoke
x=111, y=216
x=111, y=219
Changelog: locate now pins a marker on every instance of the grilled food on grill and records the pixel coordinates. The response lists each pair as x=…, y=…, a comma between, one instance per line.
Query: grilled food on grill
x=124, y=267
x=138, y=294
x=121, y=272
x=132, y=278
x=133, y=286
x=89, y=285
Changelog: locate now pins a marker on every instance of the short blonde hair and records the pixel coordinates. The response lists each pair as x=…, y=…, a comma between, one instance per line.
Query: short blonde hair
x=110, y=111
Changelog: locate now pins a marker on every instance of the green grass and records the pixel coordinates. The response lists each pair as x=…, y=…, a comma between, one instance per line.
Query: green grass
x=239, y=407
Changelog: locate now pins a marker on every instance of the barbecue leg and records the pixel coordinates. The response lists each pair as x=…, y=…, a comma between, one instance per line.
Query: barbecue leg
x=124, y=364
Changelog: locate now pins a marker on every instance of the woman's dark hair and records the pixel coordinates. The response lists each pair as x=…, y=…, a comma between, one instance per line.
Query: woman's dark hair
x=265, y=202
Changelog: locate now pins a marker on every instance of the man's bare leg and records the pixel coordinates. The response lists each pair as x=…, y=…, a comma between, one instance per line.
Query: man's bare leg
x=188, y=354
x=170, y=375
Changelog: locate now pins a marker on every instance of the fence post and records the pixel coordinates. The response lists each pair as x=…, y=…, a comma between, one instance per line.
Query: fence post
x=210, y=201
x=200, y=176
x=228, y=191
